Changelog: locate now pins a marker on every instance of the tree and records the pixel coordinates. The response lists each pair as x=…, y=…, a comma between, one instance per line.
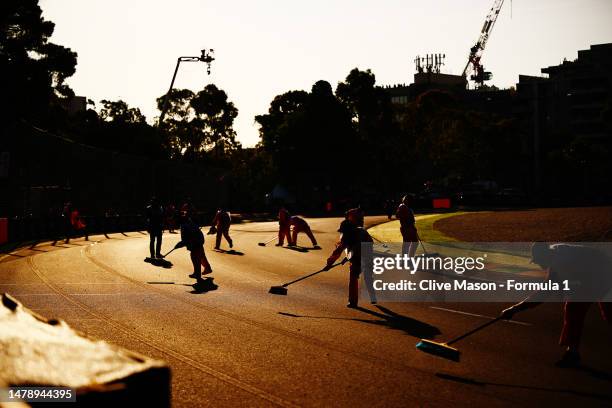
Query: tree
x=34, y=70
x=117, y=127
x=119, y=111
x=373, y=120
x=309, y=137
x=451, y=144
x=359, y=95
x=281, y=107
x=199, y=124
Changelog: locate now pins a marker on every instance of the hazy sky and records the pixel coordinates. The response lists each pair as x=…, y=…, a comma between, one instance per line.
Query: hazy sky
x=127, y=49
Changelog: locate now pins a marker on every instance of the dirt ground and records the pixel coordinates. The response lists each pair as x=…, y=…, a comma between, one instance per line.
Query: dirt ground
x=544, y=224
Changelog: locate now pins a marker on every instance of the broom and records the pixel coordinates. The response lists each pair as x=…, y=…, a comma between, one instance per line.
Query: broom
x=282, y=289
x=169, y=252
x=444, y=350
x=267, y=242
x=384, y=244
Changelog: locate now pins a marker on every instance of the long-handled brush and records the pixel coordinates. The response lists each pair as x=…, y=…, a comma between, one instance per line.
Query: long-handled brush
x=282, y=289
x=444, y=350
x=267, y=242
x=384, y=244
x=427, y=253
x=169, y=252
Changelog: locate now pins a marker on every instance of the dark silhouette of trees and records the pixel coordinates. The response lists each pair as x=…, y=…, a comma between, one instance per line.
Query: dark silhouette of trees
x=199, y=124
x=376, y=133
x=116, y=127
x=33, y=69
x=356, y=143
x=454, y=145
x=309, y=137
x=281, y=107
x=120, y=112
x=325, y=145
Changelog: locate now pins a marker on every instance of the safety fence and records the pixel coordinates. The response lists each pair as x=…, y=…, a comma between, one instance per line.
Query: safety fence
x=26, y=229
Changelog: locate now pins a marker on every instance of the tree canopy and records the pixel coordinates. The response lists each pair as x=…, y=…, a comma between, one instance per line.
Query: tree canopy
x=199, y=123
x=34, y=69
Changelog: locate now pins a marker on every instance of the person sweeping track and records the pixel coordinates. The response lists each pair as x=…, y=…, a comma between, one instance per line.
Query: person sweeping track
x=589, y=272
x=221, y=225
x=352, y=234
x=300, y=225
x=155, y=218
x=193, y=239
x=405, y=215
x=284, y=226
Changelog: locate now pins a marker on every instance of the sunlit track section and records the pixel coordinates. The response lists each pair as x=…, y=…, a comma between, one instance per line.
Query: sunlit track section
x=169, y=352
x=376, y=360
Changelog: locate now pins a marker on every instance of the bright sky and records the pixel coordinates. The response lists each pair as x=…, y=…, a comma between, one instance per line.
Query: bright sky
x=128, y=49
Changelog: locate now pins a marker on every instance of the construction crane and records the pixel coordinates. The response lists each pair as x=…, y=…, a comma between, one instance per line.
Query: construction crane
x=479, y=75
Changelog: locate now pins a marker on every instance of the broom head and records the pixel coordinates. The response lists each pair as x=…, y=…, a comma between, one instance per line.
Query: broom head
x=278, y=290
x=439, y=349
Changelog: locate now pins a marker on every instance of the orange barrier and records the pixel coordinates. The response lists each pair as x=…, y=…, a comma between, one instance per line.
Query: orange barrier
x=3, y=230
x=441, y=203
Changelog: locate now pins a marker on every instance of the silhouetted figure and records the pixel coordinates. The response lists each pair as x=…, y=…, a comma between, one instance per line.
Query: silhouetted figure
x=193, y=238
x=66, y=221
x=389, y=207
x=221, y=223
x=73, y=223
x=352, y=234
x=300, y=225
x=171, y=218
x=588, y=272
x=155, y=218
x=284, y=226
x=405, y=215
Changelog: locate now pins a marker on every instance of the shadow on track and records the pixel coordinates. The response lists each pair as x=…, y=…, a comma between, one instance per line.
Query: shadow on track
x=199, y=287
x=203, y=286
x=229, y=252
x=470, y=381
x=387, y=318
x=297, y=248
x=159, y=262
x=594, y=372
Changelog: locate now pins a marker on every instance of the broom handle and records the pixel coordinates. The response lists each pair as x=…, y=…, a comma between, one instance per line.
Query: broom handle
x=482, y=326
x=312, y=274
x=376, y=239
x=419, y=238
x=383, y=243
x=168, y=253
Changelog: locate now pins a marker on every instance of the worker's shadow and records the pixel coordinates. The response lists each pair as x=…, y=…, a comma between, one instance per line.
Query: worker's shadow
x=162, y=263
x=204, y=286
x=296, y=248
x=596, y=373
x=470, y=381
x=229, y=252
x=386, y=318
x=393, y=320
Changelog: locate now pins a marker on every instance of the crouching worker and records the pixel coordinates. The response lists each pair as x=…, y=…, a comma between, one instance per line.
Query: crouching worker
x=221, y=224
x=193, y=238
x=352, y=234
x=588, y=273
x=300, y=225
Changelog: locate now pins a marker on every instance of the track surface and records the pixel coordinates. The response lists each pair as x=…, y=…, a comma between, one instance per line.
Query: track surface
x=239, y=345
